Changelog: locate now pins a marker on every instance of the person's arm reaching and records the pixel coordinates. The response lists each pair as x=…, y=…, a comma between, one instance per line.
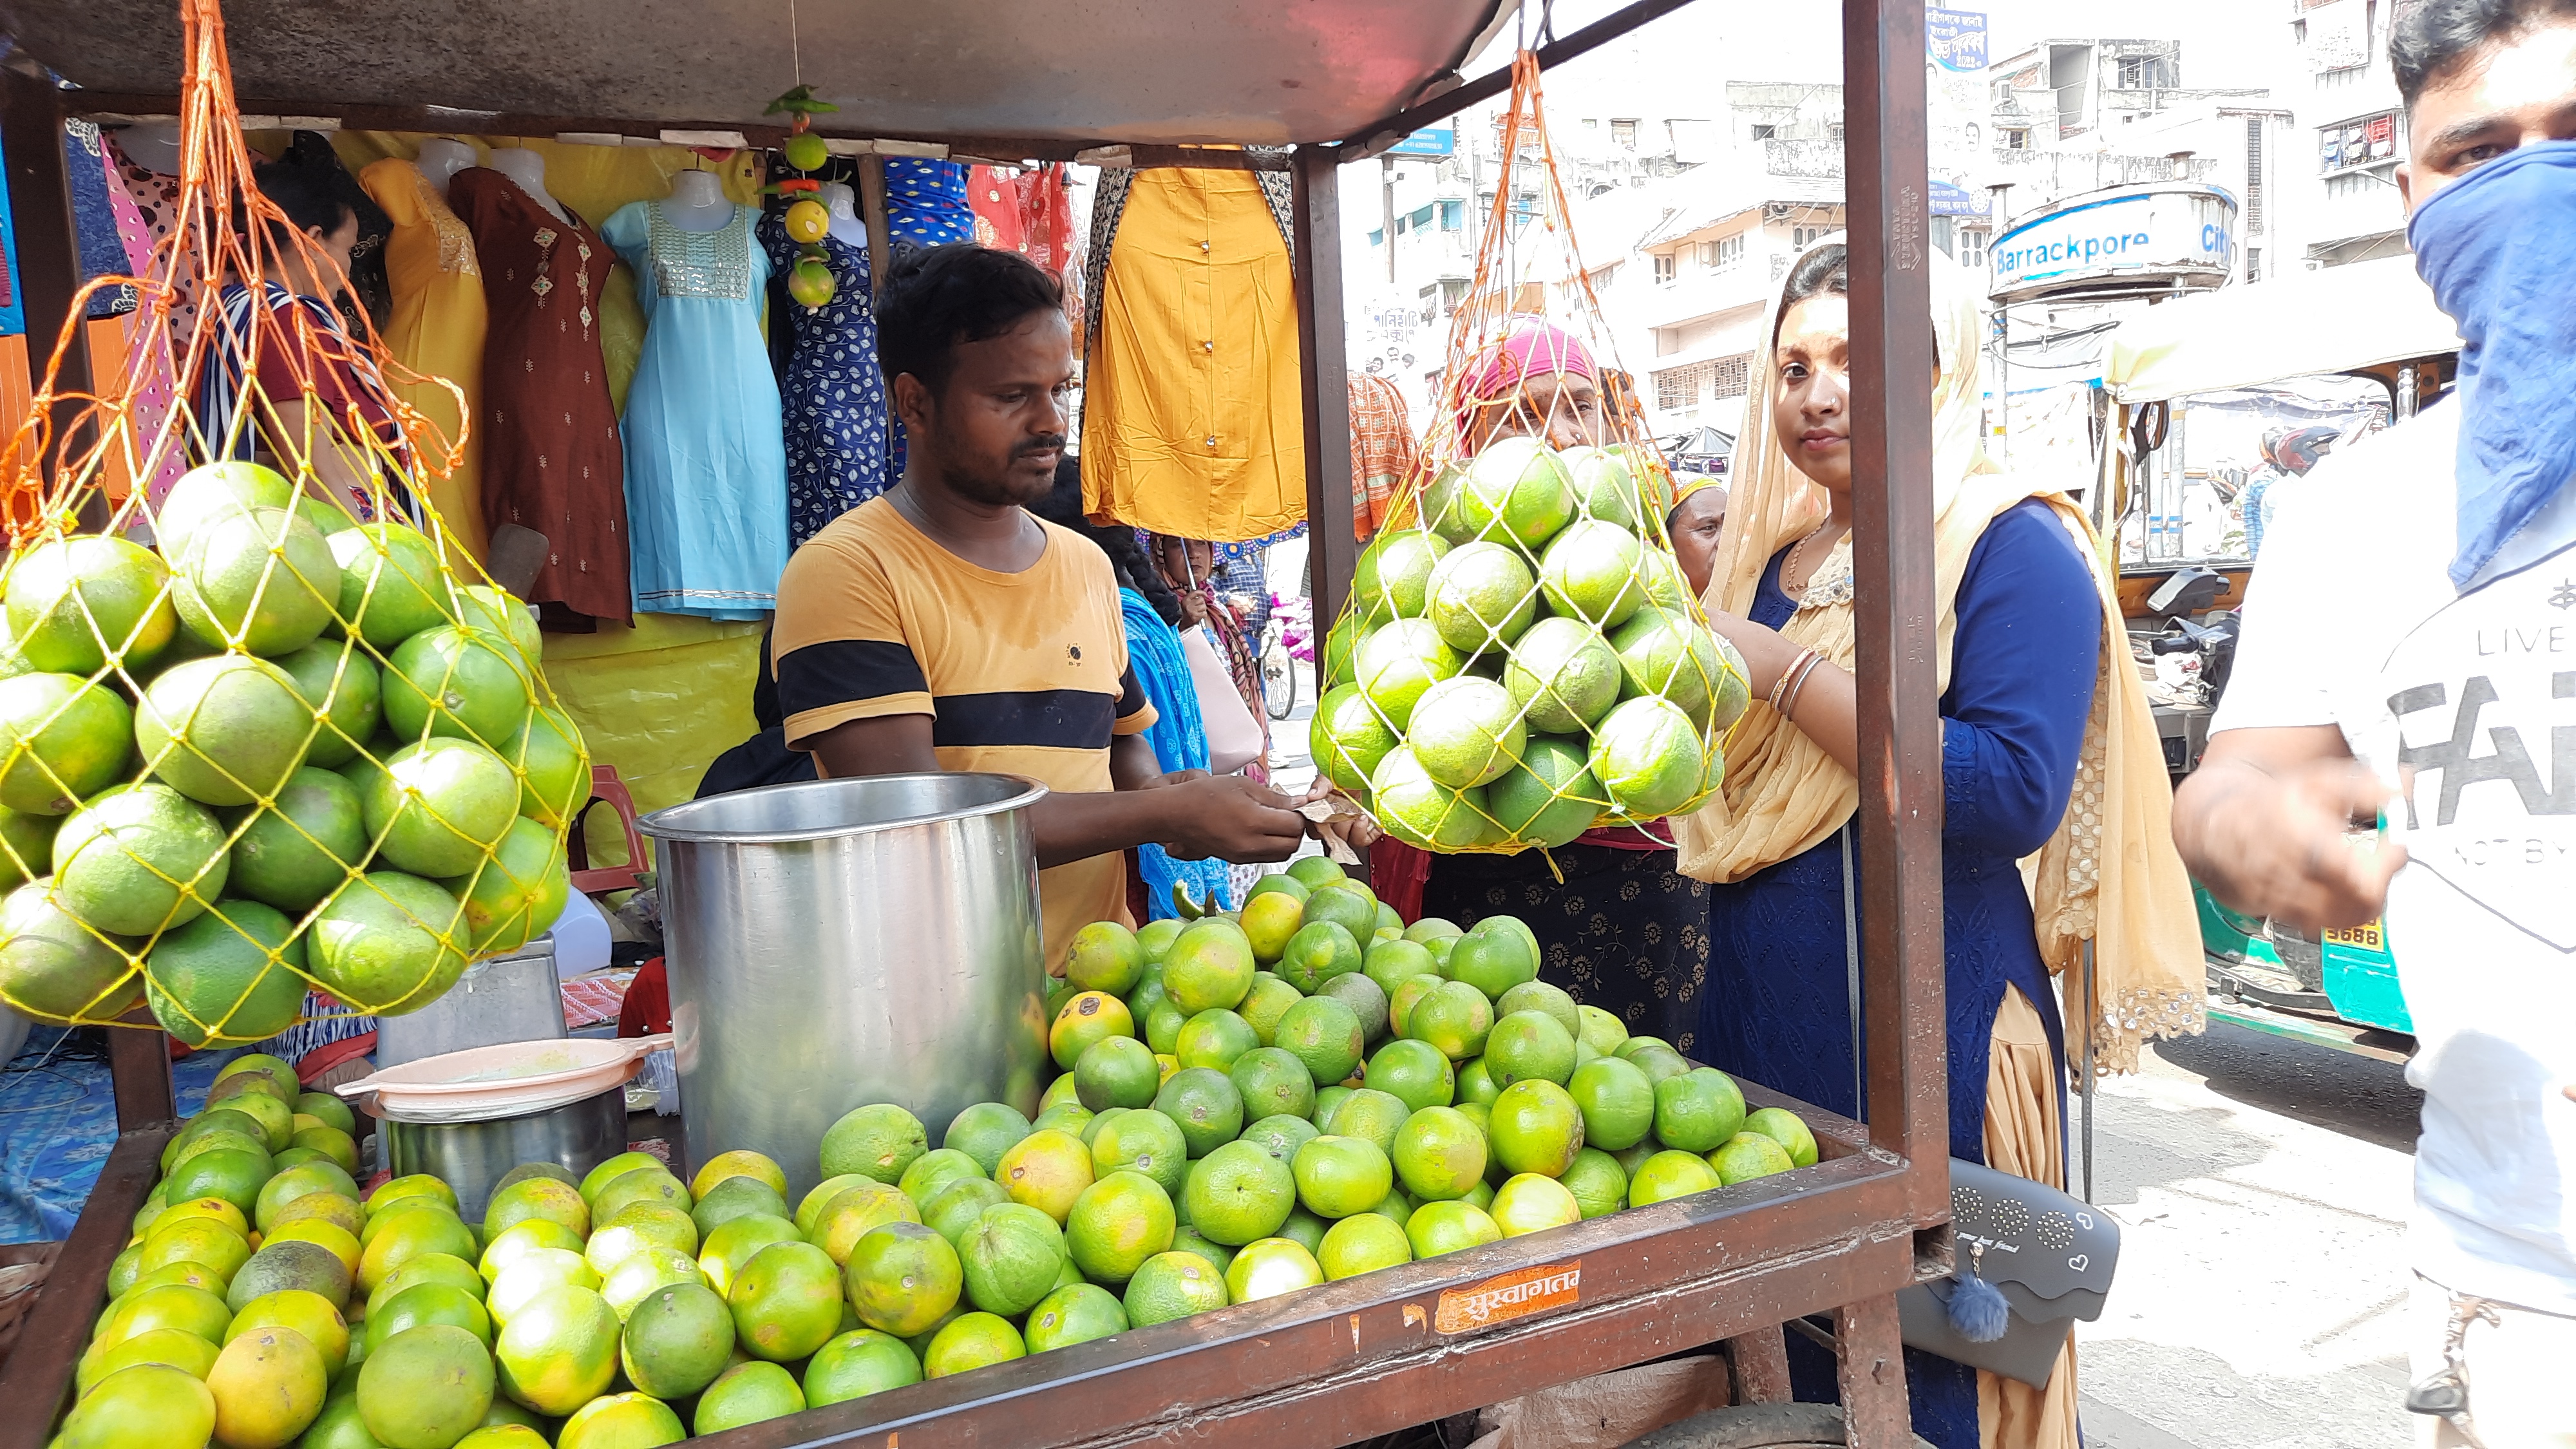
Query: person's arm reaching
x=1224, y=816
x=2262, y=824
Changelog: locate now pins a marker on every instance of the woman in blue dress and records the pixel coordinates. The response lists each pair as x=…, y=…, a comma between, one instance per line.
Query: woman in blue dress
x=2040, y=705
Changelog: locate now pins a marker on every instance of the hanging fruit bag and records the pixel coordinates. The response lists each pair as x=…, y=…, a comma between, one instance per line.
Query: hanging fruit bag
x=256, y=732
x=1521, y=659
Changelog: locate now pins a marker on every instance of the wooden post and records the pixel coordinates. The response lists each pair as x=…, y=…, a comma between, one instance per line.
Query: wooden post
x=872, y=211
x=1761, y=1363
x=1872, y=1360
x=1324, y=365
x=1899, y=711
x=138, y=1068
x=40, y=202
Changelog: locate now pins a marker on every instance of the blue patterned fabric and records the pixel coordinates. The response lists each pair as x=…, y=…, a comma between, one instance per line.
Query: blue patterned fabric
x=1179, y=738
x=2498, y=266
x=926, y=201
x=102, y=251
x=58, y=1123
x=1778, y=1005
x=835, y=397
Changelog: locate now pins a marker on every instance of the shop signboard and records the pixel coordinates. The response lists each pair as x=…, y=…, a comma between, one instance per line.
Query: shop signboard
x=2126, y=241
x=1956, y=39
x=1432, y=141
x=1955, y=96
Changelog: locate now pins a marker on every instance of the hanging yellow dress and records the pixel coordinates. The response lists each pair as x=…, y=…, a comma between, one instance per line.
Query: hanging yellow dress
x=437, y=330
x=1193, y=422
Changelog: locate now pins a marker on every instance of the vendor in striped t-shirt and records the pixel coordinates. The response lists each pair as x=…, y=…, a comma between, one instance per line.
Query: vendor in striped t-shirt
x=941, y=626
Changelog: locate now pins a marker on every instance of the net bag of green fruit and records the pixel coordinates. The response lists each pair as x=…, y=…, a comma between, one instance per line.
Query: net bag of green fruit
x=258, y=733
x=1521, y=659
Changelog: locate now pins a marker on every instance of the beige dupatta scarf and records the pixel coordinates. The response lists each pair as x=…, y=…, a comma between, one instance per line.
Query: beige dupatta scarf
x=2109, y=874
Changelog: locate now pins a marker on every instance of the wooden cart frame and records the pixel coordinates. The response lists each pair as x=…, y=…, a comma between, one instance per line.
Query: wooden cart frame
x=1369, y=1355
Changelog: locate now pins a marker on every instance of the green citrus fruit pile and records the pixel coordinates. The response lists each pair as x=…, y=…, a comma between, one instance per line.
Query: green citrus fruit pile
x=280, y=747
x=1299, y=1091
x=1524, y=662
x=1349, y=1108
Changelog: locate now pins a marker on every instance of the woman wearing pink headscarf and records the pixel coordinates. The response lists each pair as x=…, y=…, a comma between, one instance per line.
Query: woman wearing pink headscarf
x=1624, y=930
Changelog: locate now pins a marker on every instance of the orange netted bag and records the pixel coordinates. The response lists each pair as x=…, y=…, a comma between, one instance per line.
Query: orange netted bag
x=1521, y=659
x=256, y=732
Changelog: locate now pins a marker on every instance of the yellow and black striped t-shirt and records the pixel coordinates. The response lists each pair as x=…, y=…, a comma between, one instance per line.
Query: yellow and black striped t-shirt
x=1022, y=673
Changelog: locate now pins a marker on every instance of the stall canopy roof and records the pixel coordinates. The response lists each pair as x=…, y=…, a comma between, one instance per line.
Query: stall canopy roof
x=2335, y=320
x=1153, y=71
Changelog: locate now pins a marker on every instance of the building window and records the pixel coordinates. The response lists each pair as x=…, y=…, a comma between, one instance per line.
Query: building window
x=2253, y=175
x=1678, y=388
x=1972, y=246
x=1726, y=254
x=2015, y=138
x=2146, y=73
x=1765, y=133
x=2368, y=141
x=1663, y=268
x=1803, y=237
x=1624, y=133
x=1453, y=215
x=2253, y=264
x=1592, y=123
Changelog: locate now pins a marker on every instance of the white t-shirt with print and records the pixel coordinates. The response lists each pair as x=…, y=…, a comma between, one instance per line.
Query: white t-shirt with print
x=2352, y=620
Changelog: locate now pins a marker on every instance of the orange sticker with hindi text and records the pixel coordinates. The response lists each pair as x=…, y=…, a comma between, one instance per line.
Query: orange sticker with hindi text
x=1516, y=1294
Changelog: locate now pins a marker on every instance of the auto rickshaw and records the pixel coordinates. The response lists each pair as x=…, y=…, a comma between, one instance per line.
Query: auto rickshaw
x=2186, y=383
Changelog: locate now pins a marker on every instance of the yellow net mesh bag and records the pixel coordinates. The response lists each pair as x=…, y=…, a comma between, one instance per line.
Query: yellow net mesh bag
x=1521, y=659
x=256, y=732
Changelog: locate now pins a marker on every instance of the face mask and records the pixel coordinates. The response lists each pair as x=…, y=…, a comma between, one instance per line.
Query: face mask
x=2498, y=248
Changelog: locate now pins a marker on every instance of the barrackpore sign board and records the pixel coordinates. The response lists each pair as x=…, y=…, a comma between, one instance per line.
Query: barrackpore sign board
x=2128, y=241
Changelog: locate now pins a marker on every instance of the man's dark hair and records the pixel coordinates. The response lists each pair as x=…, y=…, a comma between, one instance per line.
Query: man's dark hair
x=308, y=195
x=941, y=296
x=2432, y=37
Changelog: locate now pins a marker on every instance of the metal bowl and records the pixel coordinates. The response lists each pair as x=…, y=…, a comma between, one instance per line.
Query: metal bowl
x=472, y=1156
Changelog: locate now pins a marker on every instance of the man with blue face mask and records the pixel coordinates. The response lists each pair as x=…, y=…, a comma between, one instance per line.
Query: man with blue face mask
x=2410, y=653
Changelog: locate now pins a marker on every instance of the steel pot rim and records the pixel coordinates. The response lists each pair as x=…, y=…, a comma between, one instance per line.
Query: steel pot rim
x=660, y=826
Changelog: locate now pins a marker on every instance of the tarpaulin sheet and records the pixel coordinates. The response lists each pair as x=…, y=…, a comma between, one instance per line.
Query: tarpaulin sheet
x=659, y=701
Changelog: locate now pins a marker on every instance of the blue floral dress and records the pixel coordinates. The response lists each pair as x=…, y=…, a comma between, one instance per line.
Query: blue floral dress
x=834, y=394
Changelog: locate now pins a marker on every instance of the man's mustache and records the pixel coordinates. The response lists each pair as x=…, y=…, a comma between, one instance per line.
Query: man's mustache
x=1051, y=443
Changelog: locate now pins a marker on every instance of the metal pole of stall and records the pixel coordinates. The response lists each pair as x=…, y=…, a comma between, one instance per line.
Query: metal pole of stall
x=2091, y=1017
x=2003, y=335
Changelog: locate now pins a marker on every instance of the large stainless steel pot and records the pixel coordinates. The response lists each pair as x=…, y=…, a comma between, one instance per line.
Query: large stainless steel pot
x=850, y=941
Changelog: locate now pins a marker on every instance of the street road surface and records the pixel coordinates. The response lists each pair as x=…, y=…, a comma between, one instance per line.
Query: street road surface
x=2261, y=1188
